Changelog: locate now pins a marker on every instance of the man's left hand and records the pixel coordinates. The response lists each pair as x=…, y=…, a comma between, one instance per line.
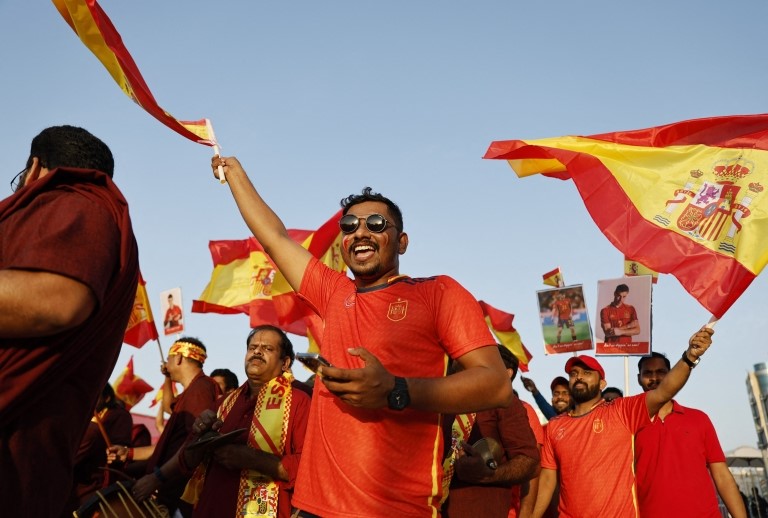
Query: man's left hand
x=367, y=387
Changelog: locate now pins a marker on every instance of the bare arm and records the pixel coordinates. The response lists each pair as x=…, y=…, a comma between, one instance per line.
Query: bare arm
x=482, y=384
x=528, y=493
x=289, y=256
x=675, y=380
x=727, y=489
x=547, y=483
x=36, y=303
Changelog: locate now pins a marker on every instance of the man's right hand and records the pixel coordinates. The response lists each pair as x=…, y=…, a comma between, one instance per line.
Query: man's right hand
x=529, y=385
x=117, y=453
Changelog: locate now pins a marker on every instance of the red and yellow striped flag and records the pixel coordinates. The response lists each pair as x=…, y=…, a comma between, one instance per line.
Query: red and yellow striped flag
x=244, y=279
x=159, y=394
x=95, y=30
x=687, y=198
x=129, y=387
x=141, y=325
x=554, y=278
x=501, y=326
x=633, y=269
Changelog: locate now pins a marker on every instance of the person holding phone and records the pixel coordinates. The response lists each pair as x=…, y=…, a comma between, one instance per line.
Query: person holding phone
x=375, y=423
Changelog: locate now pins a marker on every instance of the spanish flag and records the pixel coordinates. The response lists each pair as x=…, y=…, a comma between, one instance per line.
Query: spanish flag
x=141, y=325
x=129, y=387
x=554, y=278
x=95, y=30
x=244, y=279
x=633, y=269
x=686, y=198
x=501, y=326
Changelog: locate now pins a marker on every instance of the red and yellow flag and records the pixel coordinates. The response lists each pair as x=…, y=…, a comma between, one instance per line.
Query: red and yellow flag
x=129, y=387
x=633, y=269
x=141, y=325
x=554, y=278
x=95, y=30
x=159, y=394
x=686, y=198
x=501, y=326
x=244, y=279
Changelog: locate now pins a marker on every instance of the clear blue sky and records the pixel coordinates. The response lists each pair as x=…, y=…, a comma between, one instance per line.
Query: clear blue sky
x=319, y=99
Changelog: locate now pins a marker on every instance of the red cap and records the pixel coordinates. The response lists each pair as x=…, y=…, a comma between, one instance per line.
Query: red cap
x=588, y=362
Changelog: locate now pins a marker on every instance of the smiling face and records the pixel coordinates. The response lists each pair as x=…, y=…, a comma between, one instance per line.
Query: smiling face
x=264, y=358
x=373, y=257
x=561, y=398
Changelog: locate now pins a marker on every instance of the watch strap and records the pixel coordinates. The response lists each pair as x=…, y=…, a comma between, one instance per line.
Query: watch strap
x=688, y=362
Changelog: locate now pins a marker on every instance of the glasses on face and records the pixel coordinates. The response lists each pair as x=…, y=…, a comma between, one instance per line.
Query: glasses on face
x=375, y=223
x=18, y=180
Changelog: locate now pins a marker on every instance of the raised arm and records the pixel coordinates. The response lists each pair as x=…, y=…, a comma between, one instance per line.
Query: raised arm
x=289, y=256
x=675, y=380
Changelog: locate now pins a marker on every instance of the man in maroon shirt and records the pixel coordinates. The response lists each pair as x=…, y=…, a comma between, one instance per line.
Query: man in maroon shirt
x=68, y=275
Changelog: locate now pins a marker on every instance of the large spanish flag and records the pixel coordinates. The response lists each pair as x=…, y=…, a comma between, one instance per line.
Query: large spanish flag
x=686, y=198
x=129, y=387
x=95, y=30
x=244, y=279
x=141, y=325
x=500, y=323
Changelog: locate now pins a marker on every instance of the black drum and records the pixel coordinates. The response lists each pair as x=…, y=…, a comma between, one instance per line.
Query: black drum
x=116, y=501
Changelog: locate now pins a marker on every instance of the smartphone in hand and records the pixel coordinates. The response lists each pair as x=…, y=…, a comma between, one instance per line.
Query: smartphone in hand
x=312, y=361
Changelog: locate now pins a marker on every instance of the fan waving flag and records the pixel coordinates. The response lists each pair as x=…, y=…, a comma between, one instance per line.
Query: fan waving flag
x=501, y=325
x=244, y=279
x=130, y=388
x=686, y=198
x=141, y=325
x=96, y=31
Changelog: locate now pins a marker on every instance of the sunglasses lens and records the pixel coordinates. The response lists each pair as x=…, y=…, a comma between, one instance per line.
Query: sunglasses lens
x=349, y=223
x=376, y=223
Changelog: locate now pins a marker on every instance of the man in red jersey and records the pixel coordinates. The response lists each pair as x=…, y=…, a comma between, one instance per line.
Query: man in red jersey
x=68, y=274
x=618, y=319
x=562, y=313
x=374, y=438
x=590, y=447
x=678, y=457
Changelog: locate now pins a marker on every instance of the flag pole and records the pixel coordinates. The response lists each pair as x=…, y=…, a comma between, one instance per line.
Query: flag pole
x=160, y=348
x=101, y=429
x=216, y=150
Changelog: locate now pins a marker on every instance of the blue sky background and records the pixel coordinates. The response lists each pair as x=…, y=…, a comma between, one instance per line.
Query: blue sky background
x=319, y=99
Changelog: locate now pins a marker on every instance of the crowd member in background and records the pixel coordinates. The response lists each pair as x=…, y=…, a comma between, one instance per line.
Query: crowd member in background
x=226, y=379
x=254, y=474
x=678, y=457
x=476, y=488
x=68, y=275
x=185, y=366
x=591, y=447
x=561, y=396
x=611, y=393
x=388, y=337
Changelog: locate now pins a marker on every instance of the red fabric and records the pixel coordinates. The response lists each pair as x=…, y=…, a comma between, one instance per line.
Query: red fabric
x=508, y=426
x=671, y=460
x=411, y=326
x=219, y=494
x=198, y=396
x=594, y=456
x=563, y=308
x=538, y=432
x=73, y=223
x=141, y=325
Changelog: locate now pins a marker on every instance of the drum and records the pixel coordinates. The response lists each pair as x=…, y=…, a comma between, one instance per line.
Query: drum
x=116, y=501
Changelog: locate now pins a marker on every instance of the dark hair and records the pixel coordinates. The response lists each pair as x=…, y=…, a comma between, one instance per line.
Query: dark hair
x=108, y=397
x=70, y=146
x=286, y=347
x=368, y=195
x=559, y=381
x=509, y=359
x=654, y=354
x=621, y=288
x=193, y=341
x=230, y=378
x=612, y=389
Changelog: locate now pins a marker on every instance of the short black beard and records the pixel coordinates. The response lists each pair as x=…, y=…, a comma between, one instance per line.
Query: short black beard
x=588, y=395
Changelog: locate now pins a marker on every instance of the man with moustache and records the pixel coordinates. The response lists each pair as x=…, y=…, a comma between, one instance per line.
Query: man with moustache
x=561, y=396
x=678, y=457
x=389, y=338
x=590, y=447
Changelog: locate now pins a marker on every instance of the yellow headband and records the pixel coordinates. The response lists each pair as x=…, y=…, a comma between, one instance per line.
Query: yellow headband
x=188, y=350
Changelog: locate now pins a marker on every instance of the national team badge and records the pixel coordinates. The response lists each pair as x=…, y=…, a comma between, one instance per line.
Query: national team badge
x=397, y=310
x=597, y=425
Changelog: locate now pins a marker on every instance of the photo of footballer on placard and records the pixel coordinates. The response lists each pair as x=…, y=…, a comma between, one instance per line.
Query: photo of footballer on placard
x=624, y=319
x=564, y=320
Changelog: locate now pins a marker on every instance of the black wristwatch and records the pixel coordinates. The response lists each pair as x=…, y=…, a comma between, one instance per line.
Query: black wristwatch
x=399, y=398
x=688, y=362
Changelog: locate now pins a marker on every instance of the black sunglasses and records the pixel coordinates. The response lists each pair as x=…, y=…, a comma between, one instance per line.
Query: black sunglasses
x=375, y=223
x=18, y=180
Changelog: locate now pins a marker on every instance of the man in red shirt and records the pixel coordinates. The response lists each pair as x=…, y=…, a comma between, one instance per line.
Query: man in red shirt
x=389, y=338
x=68, y=275
x=619, y=320
x=562, y=312
x=590, y=447
x=678, y=457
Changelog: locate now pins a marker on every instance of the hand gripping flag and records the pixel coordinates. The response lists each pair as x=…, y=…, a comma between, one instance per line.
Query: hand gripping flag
x=244, y=279
x=129, y=387
x=686, y=198
x=95, y=30
x=141, y=325
x=501, y=326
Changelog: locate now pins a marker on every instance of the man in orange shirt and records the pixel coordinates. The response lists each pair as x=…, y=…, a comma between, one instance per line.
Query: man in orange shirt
x=591, y=446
